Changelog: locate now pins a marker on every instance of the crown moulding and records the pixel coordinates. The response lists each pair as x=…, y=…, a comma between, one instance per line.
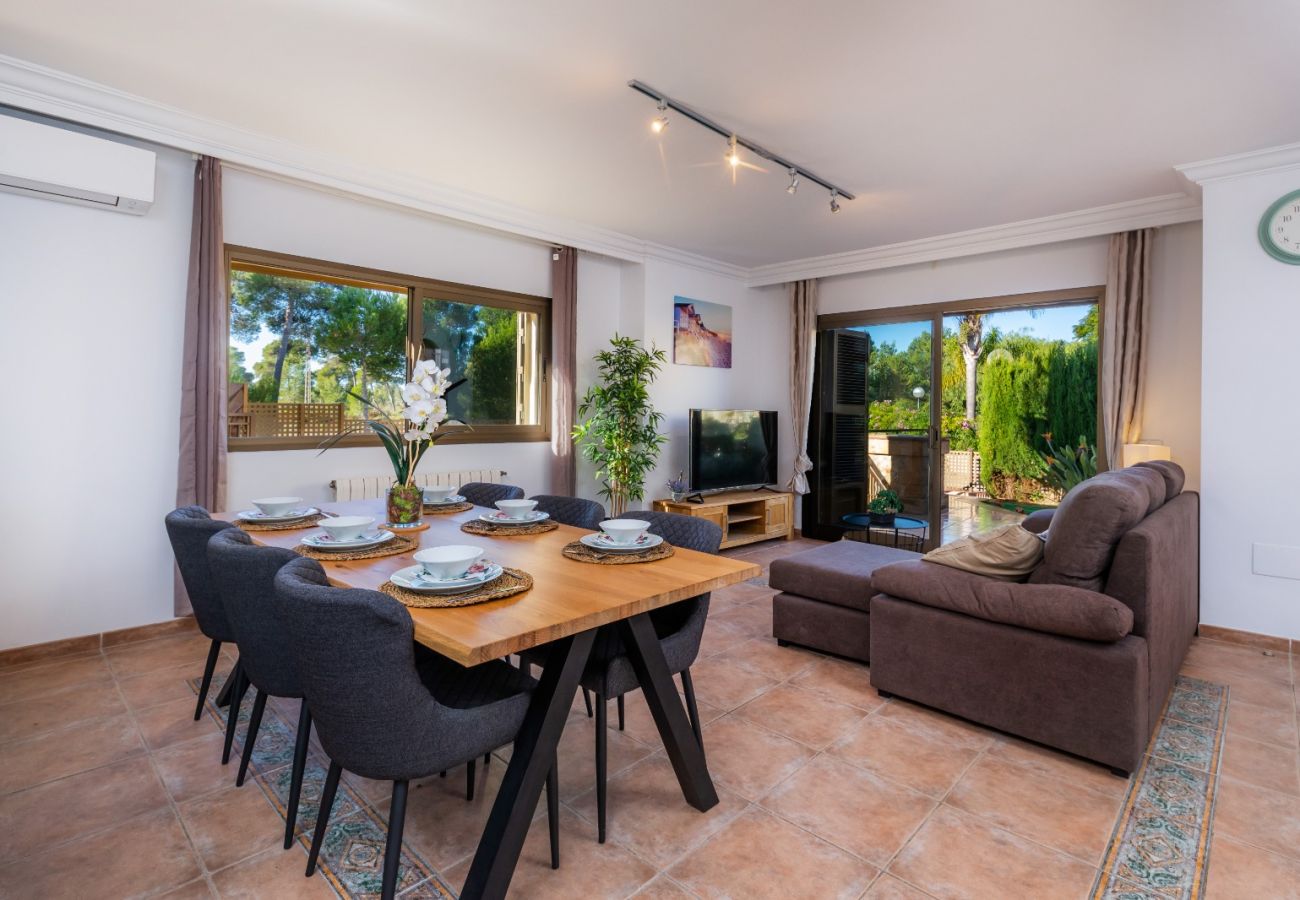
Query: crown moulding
x=1239, y=165
x=46, y=91
x=1168, y=209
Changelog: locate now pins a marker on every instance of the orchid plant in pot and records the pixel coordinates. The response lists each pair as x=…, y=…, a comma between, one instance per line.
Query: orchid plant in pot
x=408, y=436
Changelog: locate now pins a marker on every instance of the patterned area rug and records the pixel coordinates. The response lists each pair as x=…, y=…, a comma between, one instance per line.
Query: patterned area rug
x=1161, y=844
x=352, y=858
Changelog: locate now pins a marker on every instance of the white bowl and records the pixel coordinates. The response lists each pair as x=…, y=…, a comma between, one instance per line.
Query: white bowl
x=438, y=493
x=516, y=509
x=346, y=528
x=624, y=531
x=451, y=561
x=277, y=506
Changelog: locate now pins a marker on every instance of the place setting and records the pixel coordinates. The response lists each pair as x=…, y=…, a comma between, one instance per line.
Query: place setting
x=444, y=499
x=454, y=575
x=619, y=542
x=512, y=517
x=278, y=514
x=353, y=537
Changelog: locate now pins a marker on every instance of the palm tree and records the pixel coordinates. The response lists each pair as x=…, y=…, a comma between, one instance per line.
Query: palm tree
x=970, y=335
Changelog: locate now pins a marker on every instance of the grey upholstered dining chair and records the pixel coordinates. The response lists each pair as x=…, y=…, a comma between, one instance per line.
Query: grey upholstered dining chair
x=573, y=511
x=244, y=575
x=481, y=493
x=188, y=529
x=680, y=627
x=386, y=708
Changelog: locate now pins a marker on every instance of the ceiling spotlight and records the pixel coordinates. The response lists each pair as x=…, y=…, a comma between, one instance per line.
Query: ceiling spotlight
x=660, y=122
x=733, y=153
x=835, y=201
x=794, y=182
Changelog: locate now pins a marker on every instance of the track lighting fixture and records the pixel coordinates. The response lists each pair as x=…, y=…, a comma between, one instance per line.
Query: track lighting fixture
x=734, y=144
x=660, y=122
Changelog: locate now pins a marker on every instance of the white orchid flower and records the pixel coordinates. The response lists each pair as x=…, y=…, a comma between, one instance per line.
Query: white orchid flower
x=418, y=411
x=416, y=434
x=427, y=385
x=412, y=393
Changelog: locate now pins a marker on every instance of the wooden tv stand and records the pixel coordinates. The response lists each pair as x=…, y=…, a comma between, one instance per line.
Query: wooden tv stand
x=744, y=516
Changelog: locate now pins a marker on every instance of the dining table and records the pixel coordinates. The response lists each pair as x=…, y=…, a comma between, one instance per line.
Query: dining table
x=568, y=601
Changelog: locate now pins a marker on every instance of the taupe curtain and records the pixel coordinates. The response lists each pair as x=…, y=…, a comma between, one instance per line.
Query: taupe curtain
x=803, y=329
x=564, y=364
x=1124, y=340
x=201, y=473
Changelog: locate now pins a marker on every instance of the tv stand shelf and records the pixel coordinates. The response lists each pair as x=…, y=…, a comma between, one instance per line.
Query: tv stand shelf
x=745, y=517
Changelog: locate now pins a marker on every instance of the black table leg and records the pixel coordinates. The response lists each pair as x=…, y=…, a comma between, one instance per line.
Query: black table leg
x=684, y=751
x=533, y=756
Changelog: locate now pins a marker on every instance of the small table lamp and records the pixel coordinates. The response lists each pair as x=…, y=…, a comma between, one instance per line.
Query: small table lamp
x=1147, y=450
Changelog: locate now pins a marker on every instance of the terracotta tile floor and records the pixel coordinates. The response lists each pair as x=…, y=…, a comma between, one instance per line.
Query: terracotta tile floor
x=109, y=789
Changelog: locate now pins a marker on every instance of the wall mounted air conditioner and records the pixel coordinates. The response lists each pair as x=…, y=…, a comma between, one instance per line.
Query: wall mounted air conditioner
x=46, y=161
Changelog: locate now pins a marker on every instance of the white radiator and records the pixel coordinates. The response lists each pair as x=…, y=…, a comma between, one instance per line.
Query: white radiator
x=370, y=487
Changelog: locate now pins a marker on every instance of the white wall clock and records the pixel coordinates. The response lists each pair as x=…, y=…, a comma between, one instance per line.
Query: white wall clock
x=1279, y=229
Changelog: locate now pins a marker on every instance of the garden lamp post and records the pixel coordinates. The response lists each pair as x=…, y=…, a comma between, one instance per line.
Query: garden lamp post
x=918, y=392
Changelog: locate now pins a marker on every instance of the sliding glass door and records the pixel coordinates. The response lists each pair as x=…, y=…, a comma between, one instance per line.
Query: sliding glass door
x=969, y=414
x=871, y=435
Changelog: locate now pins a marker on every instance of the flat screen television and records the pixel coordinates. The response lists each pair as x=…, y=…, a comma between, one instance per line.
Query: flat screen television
x=731, y=448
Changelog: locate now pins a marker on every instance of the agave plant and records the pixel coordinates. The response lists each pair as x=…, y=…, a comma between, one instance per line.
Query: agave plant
x=421, y=424
x=1067, y=468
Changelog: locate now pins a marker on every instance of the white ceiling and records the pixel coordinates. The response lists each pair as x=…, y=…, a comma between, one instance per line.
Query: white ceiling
x=942, y=116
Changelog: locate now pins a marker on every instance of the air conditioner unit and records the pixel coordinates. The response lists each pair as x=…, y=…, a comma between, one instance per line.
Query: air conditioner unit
x=46, y=161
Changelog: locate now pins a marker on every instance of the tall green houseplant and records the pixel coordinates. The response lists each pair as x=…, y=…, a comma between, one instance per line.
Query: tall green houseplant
x=619, y=428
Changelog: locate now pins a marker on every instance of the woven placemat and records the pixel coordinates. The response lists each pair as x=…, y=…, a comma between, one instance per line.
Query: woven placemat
x=490, y=530
x=442, y=509
x=582, y=553
x=395, y=547
x=279, y=526
x=511, y=582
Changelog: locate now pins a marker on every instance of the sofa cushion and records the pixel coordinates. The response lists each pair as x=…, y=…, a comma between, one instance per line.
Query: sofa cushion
x=1172, y=473
x=1038, y=521
x=1149, y=480
x=838, y=573
x=1008, y=553
x=1085, y=529
x=1050, y=608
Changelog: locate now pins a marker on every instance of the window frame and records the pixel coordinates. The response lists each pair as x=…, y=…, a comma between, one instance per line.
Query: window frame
x=417, y=290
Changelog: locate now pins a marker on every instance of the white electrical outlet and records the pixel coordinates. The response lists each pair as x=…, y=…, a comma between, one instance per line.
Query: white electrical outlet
x=1276, y=560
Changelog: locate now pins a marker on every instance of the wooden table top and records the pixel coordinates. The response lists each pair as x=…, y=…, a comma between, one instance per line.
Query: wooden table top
x=567, y=596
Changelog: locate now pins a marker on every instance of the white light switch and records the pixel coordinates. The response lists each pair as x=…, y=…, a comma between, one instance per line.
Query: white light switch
x=1276, y=560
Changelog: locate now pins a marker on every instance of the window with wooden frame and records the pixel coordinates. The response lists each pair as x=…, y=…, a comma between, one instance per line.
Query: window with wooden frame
x=309, y=339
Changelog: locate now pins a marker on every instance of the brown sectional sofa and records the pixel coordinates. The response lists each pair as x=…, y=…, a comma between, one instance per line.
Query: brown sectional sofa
x=1081, y=657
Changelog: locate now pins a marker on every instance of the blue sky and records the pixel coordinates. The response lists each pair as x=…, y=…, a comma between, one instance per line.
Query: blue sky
x=1055, y=323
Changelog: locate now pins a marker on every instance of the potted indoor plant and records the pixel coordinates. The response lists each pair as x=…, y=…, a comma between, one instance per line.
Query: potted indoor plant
x=619, y=431
x=407, y=436
x=677, y=487
x=883, y=507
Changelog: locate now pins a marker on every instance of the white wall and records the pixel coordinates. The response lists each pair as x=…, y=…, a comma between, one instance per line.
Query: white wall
x=92, y=303
x=760, y=360
x=1251, y=316
x=1172, y=392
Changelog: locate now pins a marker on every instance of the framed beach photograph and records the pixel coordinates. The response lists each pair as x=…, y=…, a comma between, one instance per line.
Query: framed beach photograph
x=701, y=333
